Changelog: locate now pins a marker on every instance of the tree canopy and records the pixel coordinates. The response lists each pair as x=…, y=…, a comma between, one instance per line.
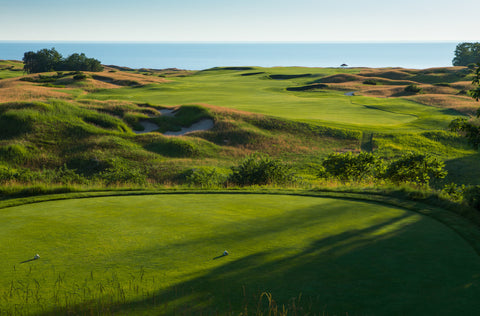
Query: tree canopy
x=470, y=128
x=41, y=61
x=51, y=60
x=476, y=82
x=466, y=53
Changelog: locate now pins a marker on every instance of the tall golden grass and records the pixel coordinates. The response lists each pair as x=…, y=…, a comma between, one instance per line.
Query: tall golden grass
x=462, y=104
x=15, y=90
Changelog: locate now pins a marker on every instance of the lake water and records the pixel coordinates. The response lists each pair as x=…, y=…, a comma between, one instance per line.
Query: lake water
x=196, y=56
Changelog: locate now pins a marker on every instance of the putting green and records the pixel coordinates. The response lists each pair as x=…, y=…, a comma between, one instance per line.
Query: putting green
x=160, y=253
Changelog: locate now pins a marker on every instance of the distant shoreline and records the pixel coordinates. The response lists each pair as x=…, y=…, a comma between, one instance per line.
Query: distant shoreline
x=198, y=56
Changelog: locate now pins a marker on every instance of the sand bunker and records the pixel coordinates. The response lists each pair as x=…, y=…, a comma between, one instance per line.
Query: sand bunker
x=201, y=125
x=167, y=112
x=148, y=127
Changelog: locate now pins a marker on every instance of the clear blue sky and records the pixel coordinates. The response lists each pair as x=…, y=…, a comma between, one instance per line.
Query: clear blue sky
x=240, y=20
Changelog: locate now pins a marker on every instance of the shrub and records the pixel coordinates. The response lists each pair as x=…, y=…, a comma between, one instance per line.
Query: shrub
x=80, y=76
x=472, y=66
x=415, y=168
x=470, y=130
x=472, y=196
x=7, y=174
x=347, y=166
x=454, y=191
x=123, y=174
x=371, y=82
x=205, y=177
x=62, y=175
x=260, y=169
x=413, y=88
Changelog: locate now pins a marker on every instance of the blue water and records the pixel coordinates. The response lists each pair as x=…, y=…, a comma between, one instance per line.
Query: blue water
x=198, y=56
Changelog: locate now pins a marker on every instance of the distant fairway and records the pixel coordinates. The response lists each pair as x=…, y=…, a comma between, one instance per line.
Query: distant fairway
x=259, y=93
x=160, y=253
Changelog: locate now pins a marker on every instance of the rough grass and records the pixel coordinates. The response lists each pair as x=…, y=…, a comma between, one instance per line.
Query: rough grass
x=13, y=86
x=393, y=74
x=294, y=119
x=462, y=104
x=160, y=253
x=93, y=136
x=13, y=90
x=126, y=79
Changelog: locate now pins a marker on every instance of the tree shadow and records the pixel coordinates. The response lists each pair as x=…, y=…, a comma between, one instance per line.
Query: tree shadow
x=464, y=170
x=359, y=271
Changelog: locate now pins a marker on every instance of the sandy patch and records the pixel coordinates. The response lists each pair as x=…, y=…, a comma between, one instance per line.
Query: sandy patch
x=148, y=127
x=201, y=125
x=167, y=112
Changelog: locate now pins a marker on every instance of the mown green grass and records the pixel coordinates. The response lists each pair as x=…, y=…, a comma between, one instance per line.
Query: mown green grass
x=262, y=94
x=160, y=253
x=10, y=69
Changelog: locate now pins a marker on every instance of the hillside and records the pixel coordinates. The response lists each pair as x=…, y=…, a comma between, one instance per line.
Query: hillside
x=79, y=127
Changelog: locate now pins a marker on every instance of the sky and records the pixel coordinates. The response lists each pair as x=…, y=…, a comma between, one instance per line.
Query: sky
x=240, y=20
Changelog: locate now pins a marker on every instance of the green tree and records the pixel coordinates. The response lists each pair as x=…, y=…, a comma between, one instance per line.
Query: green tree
x=470, y=128
x=475, y=92
x=466, y=53
x=80, y=62
x=50, y=60
x=416, y=168
x=42, y=61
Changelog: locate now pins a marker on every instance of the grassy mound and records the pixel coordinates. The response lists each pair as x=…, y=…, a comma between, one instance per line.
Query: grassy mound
x=160, y=253
x=10, y=69
x=387, y=74
x=288, y=76
x=340, y=78
x=309, y=87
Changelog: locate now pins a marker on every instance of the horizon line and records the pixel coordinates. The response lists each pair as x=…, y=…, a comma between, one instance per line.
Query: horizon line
x=236, y=42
